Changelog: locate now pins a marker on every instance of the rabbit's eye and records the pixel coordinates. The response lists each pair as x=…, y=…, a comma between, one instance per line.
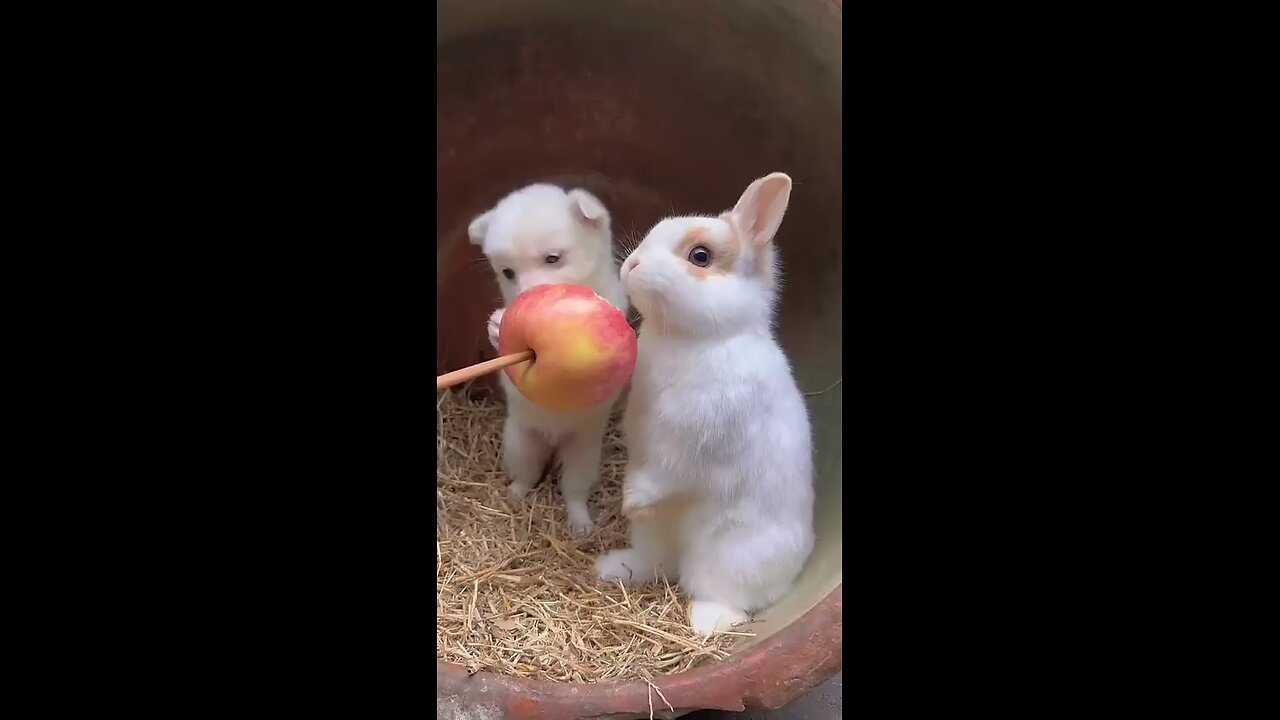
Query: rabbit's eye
x=509, y=273
x=553, y=258
x=700, y=256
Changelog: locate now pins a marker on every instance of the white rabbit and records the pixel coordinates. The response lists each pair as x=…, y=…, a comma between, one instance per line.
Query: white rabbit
x=537, y=235
x=719, y=485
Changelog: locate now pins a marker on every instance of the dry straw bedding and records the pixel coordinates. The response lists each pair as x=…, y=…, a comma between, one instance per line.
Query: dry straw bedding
x=517, y=594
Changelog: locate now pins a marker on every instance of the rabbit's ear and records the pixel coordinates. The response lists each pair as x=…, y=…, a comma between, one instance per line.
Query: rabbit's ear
x=760, y=209
x=586, y=207
x=478, y=227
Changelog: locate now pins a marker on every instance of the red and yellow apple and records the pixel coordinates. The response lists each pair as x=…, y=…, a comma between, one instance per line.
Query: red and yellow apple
x=584, y=349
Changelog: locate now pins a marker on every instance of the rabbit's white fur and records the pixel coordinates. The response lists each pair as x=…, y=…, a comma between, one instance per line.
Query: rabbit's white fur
x=719, y=485
x=519, y=234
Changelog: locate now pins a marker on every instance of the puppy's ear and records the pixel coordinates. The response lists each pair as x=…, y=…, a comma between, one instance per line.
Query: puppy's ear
x=478, y=227
x=587, y=208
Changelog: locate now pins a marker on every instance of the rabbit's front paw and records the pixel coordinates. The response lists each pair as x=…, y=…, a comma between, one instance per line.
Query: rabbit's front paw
x=638, y=502
x=626, y=565
x=642, y=513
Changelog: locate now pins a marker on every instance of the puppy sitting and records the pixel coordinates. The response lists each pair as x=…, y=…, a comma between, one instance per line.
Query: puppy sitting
x=540, y=235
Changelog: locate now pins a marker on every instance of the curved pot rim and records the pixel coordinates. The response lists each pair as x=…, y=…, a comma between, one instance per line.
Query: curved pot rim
x=768, y=674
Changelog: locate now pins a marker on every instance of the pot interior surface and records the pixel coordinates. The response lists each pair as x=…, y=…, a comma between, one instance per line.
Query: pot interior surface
x=659, y=107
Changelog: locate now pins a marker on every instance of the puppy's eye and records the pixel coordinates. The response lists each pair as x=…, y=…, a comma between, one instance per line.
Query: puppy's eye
x=700, y=256
x=553, y=258
x=509, y=273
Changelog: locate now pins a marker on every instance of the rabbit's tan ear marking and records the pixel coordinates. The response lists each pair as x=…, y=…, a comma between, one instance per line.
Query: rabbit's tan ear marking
x=478, y=227
x=760, y=209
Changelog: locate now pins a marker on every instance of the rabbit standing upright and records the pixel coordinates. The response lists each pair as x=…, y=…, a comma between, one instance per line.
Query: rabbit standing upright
x=719, y=485
x=539, y=235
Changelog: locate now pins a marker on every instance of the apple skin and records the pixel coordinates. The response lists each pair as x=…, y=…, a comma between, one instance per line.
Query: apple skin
x=585, y=351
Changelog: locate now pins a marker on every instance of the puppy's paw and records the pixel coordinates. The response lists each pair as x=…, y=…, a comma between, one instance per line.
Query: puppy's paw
x=494, y=324
x=579, y=519
x=516, y=491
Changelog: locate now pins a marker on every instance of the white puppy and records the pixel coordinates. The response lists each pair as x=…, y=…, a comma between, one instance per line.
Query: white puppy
x=539, y=235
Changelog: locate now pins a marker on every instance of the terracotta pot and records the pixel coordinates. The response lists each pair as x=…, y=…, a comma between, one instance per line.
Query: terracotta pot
x=659, y=107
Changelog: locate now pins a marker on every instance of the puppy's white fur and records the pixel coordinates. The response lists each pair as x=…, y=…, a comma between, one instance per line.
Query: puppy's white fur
x=518, y=236
x=719, y=486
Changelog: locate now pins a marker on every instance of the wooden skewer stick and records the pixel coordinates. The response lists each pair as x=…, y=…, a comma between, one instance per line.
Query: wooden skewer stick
x=457, y=377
